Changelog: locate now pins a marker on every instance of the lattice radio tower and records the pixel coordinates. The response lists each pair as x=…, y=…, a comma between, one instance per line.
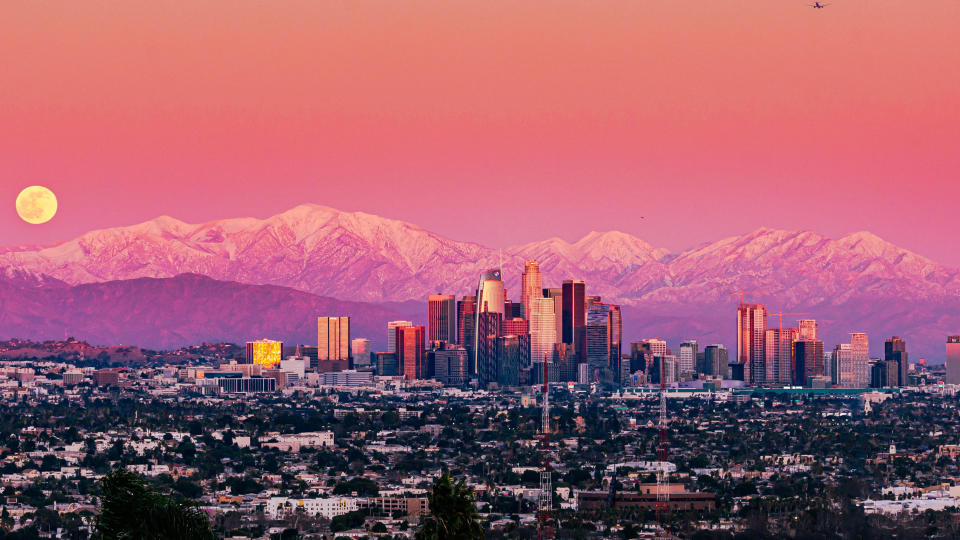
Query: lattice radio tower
x=663, y=477
x=545, y=500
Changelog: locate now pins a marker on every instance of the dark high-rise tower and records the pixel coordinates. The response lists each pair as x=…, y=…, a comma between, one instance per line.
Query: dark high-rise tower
x=807, y=360
x=467, y=325
x=556, y=294
x=597, y=332
x=715, y=360
x=442, y=318
x=490, y=299
x=574, y=316
x=489, y=328
x=895, y=350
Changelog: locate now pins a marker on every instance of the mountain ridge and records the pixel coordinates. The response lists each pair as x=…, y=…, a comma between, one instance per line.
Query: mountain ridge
x=857, y=280
x=165, y=313
x=382, y=259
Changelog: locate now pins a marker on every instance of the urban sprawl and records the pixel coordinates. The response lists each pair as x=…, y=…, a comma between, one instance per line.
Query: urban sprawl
x=553, y=423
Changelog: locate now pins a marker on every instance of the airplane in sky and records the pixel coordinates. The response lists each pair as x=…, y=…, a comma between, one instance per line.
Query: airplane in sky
x=818, y=5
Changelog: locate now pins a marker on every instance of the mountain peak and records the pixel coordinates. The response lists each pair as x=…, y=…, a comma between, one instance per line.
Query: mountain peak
x=617, y=244
x=306, y=209
x=865, y=237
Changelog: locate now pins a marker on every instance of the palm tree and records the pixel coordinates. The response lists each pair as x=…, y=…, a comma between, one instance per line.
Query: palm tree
x=453, y=514
x=130, y=509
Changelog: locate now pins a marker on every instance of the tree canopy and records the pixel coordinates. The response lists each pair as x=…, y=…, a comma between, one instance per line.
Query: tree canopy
x=453, y=514
x=131, y=509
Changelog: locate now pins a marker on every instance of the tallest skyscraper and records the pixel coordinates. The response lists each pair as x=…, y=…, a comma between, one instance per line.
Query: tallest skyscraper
x=531, y=286
x=490, y=292
x=489, y=317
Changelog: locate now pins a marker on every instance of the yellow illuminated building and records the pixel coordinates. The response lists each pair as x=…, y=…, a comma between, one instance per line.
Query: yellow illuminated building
x=265, y=352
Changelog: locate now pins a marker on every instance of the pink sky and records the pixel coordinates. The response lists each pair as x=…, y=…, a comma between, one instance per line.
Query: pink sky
x=708, y=118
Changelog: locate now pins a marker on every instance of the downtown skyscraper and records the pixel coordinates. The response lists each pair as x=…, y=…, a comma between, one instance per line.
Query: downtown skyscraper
x=715, y=360
x=490, y=292
x=411, y=353
x=597, y=335
x=441, y=318
x=687, y=359
x=531, y=286
x=807, y=360
x=851, y=362
x=807, y=328
x=897, y=364
x=489, y=317
x=616, y=342
x=543, y=329
x=573, y=298
x=953, y=360
x=861, y=359
x=333, y=344
x=779, y=355
x=751, y=342
x=467, y=326
x=392, y=334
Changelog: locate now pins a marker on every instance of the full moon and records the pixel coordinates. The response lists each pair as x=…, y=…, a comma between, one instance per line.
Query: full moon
x=36, y=205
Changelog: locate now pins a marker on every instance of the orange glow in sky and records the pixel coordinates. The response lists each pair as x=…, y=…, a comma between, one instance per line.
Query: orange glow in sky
x=707, y=118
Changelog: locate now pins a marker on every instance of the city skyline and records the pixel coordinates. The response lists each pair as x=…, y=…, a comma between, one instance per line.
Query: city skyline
x=503, y=345
x=433, y=269
x=241, y=250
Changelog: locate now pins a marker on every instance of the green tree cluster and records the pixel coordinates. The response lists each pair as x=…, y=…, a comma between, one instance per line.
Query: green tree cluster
x=130, y=509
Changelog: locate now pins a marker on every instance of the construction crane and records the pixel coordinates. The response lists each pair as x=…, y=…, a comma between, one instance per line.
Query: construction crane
x=781, y=314
x=778, y=370
x=742, y=293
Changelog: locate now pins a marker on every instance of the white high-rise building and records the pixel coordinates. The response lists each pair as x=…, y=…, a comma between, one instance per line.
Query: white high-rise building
x=658, y=347
x=687, y=359
x=392, y=334
x=841, y=369
x=491, y=297
x=295, y=364
x=490, y=293
x=543, y=329
x=808, y=329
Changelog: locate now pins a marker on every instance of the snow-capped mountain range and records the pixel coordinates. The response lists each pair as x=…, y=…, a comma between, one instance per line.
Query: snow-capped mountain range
x=859, y=279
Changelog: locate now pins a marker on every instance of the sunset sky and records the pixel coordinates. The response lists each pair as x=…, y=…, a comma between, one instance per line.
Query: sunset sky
x=497, y=122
